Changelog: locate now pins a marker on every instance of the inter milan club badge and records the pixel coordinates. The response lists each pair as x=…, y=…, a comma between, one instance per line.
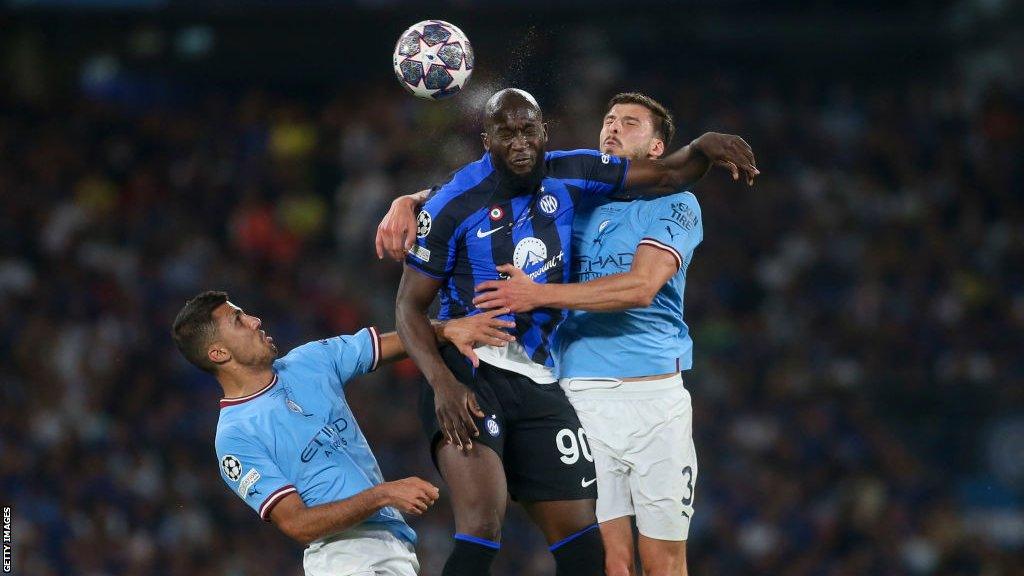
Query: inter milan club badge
x=491, y=423
x=548, y=204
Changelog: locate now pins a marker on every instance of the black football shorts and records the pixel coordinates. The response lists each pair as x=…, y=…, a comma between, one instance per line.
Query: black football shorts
x=532, y=427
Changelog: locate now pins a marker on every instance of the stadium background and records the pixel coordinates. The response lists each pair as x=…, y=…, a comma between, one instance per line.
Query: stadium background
x=858, y=315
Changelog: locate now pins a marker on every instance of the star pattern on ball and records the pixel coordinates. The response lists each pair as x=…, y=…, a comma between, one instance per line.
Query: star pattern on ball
x=433, y=59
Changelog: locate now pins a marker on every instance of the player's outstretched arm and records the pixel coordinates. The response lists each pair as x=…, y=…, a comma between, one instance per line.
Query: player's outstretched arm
x=454, y=403
x=652, y=268
x=478, y=330
x=306, y=524
x=464, y=333
x=649, y=178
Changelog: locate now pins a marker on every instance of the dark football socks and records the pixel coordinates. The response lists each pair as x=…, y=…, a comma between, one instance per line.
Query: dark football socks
x=472, y=556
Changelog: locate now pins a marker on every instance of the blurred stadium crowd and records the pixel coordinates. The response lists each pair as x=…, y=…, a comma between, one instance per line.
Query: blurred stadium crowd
x=857, y=316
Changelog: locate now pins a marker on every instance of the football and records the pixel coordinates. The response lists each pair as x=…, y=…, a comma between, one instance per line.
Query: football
x=433, y=59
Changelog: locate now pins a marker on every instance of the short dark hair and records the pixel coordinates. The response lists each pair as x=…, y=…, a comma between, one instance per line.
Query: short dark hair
x=194, y=328
x=664, y=126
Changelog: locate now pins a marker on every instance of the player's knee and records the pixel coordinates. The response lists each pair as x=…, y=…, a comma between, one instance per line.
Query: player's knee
x=487, y=526
x=618, y=560
x=664, y=563
x=618, y=567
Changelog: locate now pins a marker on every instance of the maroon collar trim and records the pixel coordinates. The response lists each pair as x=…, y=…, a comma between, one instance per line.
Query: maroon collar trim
x=225, y=402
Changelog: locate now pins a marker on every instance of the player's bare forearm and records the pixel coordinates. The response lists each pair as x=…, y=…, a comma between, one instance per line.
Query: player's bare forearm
x=651, y=178
x=455, y=405
x=465, y=333
x=652, y=267
x=391, y=348
x=607, y=294
x=291, y=515
x=418, y=336
x=687, y=165
x=306, y=524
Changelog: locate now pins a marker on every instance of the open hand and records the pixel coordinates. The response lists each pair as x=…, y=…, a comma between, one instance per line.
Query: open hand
x=455, y=406
x=484, y=329
x=519, y=293
x=730, y=152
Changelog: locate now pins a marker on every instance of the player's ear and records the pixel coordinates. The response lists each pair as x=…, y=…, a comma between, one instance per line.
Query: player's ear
x=657, y=147
x=544, y=127
x=218, y=354
x=486, y=140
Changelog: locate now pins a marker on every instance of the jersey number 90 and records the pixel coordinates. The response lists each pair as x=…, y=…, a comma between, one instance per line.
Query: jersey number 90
x=572, y=445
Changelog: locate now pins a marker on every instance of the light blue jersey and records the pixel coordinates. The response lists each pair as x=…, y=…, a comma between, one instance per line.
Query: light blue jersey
x=298, y=434
x=640, y=341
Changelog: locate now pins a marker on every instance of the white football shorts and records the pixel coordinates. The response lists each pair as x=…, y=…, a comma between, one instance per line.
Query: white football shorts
x=361, y=551
x=641, y=437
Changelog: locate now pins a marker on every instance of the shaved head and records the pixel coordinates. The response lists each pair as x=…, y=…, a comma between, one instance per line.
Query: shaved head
x=514, y=135
x=508, y=100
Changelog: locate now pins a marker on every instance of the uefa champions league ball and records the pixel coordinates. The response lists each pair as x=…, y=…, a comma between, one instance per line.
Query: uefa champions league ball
x=433, y=59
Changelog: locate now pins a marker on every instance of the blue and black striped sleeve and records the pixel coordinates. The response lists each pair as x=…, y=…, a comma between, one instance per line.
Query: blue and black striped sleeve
x=437, y=235
x=591, y=172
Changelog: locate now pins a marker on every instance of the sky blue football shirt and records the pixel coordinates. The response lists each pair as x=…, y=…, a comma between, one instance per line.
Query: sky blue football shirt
x=639, y=341
x=298, y=434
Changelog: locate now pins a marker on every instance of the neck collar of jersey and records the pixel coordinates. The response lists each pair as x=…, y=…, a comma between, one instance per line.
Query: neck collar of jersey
x=225, y=402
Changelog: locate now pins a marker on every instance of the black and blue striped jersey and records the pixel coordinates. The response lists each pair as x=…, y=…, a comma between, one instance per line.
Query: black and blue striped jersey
x=474, y=223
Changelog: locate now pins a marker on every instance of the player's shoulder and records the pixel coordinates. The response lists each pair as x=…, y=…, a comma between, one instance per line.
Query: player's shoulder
x=682, y=200
x=300, y=353
x=681, y=207
x=579, y=152
x=576, y=163
x=232, y=431
x=464, y=182
x=302, y=359
x=586, y=155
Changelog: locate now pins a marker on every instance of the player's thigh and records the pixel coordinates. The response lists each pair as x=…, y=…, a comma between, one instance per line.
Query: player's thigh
x=560, y=519
x=662, y=557
x=664, y=477
x=402, y=563
x=617, y=535
x=477, y=488
x=614, y=494
x=487, y=392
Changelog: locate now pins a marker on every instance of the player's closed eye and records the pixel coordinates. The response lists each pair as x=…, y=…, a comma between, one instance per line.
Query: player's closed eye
x=530, y=133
